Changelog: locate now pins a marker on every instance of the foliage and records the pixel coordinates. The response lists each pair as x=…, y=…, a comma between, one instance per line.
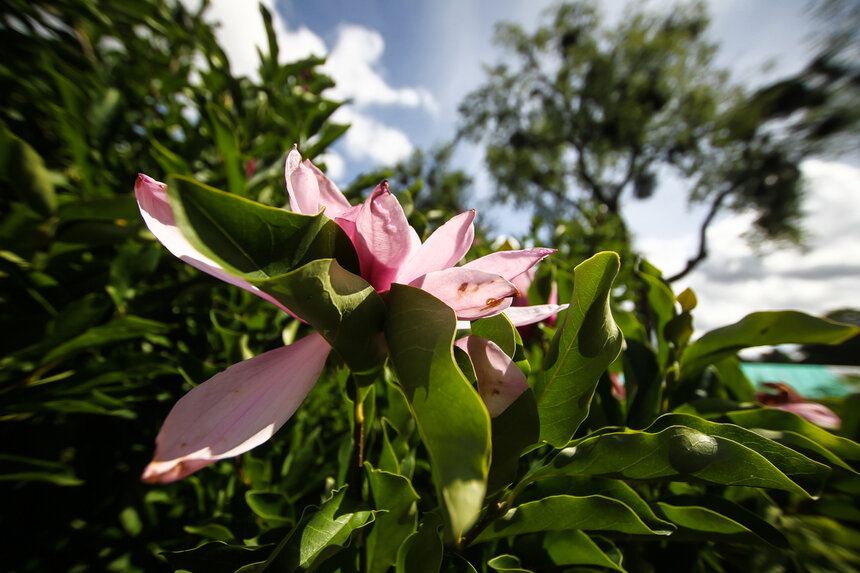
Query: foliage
x=397, y=466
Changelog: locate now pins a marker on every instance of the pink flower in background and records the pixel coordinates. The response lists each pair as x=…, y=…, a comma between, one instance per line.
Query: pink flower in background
x=243, y=406
x=786, y=398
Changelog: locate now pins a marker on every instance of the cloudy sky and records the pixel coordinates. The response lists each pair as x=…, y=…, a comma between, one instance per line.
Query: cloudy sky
x=405, y=67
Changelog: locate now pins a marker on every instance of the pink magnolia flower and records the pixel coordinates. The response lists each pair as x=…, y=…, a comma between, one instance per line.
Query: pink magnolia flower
x=243, y=406
x=786, y=398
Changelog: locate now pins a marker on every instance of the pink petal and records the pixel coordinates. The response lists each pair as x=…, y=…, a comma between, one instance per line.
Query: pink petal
x=523, y=315
x=443, y=249
x=302, y=185
x=471, y=293
x=816, y=413
x=154, y=207
x=330, y=196
x=236, y=410
x=383, y=238
x=510, y=264
x=523, y=282
x=500, y=381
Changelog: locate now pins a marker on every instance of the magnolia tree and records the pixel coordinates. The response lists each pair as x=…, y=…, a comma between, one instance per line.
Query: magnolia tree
x=469, y=449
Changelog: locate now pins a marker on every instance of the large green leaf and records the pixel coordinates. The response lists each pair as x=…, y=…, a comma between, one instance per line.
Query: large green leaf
x=512, y=431
x=781, y=420
x=422, y=551
x=576, y=548
x=585, y=344
x=394, y=494
x=340, y=305
x=450, y=415
x=677, y=453
x=718, y=519
x=321, y=532
x=591, y=513
x=252, y=240
x=808, y=474
x=760, y=329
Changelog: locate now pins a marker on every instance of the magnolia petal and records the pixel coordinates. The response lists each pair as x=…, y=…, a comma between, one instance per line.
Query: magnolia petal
x=443, y=249
x=330, y=196
x=471, y=293
x=383, y=238
x=818, y=414
x=500, y=381
x=155, y=209
x=236, y=410
x=302, y=185
x=523, y=315
x=510, y=264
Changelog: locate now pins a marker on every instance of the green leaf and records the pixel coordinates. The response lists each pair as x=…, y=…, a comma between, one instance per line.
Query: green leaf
x=643, y=380
x=394, y=494
x=214, y=531
x=272, y=507
x=761, y=329
x=215, y=557
x=661, y=300
x=24, y=469
x=320, y=533
x=591, y=513
x=499, y=330
x=512, y=431
x=583, y=347
x=507, y=564
x=576, y=548
x=341, y=306
x=450, y=415
x=228, y=147
x=422, y=551
x=674, y=454
x=120, y=328
x=808, y=474
x=719, y=520
x=734, y=379
x=24, y=169
x=781, y=420
x=252, y=240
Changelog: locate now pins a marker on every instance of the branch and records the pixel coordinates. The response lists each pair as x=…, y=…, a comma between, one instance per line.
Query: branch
x=702, y=254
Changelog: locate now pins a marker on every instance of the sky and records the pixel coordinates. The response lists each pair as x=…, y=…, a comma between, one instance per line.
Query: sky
x=404, y=67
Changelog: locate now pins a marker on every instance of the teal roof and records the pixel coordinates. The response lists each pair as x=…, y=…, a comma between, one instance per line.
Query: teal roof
x=809, y=380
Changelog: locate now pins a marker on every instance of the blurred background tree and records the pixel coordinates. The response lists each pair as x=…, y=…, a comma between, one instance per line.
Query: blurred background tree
x=586, y=117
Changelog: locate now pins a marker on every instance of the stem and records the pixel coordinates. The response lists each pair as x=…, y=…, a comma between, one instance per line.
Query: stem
x=495, y=509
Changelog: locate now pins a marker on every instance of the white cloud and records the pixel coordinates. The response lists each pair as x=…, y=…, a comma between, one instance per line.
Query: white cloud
x=335, y=165
x=353, y=64
x=369, y=139
x=736, y=280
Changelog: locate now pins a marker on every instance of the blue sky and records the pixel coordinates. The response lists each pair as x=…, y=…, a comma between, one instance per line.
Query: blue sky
x=405, y=67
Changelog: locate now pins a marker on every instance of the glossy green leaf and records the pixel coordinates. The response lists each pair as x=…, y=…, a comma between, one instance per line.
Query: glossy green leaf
x=250, y=239
x=591, y=513
x=808, y=474
x=450, y=415
x=782, y=420
x=422, y=551
x=761, y=329
x=340, y=305
x=581, y=486
x=717, y=518
x=394, y=494
x=576, y=548
x=507, y=564
x=584, y=345
x=320, y=533
x=512, y=431
x=676, y=453
x=499, y=330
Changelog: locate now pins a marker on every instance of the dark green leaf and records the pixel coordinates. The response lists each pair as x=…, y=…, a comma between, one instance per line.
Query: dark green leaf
x=507, y=564
x=215, y=557
x=512, y=431
x=422, y=551
x=720, y=519
x=341, y=306
x=585, y=344
x=450, y=415
x=394, y=494
x=761, y=329
x=576, y=548
x=591, y=513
